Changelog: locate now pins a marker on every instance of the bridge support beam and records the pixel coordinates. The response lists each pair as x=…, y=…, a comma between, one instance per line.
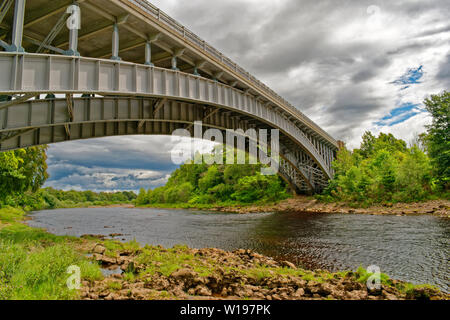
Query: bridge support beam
x=17, y=33
x=197, y=66
x=174, y=63
x=115, y=43
x=148, y=48
x=177, y=53
x=148, y=54
x=73, y=35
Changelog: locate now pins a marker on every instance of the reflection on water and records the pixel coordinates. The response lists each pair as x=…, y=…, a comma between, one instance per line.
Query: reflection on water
x=414, y=249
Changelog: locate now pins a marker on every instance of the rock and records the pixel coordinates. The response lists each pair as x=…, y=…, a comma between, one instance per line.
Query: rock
x=183, y=274
x=313, y=287
x=357, y=295
x=352, y=285
x=299, y=293
x=421, y=293
x=389, y=296
x=160, y=284
x=300, y=283
x=203, y=291
x=178, y=292
x=191, y=291
x=108, y=260
x=325, y=289
x=93, y=296
x=288, y=265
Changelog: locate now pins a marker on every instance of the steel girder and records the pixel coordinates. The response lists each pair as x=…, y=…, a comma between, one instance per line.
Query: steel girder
x=29, y=74
x=47, y=121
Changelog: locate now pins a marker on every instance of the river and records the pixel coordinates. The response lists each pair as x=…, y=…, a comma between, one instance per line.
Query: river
x=413, y=248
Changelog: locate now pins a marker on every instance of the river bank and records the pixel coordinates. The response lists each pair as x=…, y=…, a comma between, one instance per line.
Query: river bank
x=113, y=270
x=213, y=274
x=304, y=204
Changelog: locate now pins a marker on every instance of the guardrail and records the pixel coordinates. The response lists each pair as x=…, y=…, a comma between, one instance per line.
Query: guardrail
x=196, y=40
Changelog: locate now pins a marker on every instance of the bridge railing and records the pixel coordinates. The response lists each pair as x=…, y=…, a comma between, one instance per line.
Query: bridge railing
x=194, y=39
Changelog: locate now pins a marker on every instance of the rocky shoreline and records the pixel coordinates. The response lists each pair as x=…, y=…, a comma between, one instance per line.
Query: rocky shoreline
x=303, y=204
x=182, y=273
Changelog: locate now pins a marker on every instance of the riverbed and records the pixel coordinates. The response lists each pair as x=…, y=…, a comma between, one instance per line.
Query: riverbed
x=408, y=248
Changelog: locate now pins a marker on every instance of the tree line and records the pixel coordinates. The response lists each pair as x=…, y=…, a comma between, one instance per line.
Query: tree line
x=385, y=169
x=227, y=184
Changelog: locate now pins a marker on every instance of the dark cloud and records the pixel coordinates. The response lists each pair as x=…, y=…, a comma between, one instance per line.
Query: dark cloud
x=443, y=76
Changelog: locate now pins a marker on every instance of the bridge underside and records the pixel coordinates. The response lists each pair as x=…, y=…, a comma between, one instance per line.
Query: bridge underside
x=132, y=69
x=47, y=121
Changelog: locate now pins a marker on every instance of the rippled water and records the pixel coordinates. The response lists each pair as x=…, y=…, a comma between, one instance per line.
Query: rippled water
x=414, y=249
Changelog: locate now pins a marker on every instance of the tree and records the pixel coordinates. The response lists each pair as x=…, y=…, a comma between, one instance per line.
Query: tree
x=384, y=169
x=367, y=145
x=12, y=180
x=438, y=138
x=34, y=166
x=142, y=198
x=22, y=170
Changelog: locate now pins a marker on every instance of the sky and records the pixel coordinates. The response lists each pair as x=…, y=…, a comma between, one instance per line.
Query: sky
x=351, y=66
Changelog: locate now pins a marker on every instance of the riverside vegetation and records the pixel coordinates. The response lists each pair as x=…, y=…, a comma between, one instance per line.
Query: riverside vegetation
x=384, y=170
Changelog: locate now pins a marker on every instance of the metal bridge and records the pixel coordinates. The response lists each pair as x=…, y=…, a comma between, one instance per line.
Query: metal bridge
x=131, y=69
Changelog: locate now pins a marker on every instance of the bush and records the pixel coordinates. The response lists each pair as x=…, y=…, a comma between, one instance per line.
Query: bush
x=383, y=170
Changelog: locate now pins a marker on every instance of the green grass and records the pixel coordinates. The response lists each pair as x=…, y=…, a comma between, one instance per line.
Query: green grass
x=362, y=277
x=10, y=215
x=33, y=263
x=115, y=285
x=33, y=272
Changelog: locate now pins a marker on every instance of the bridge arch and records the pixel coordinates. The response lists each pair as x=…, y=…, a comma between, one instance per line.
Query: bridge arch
x=109, y=97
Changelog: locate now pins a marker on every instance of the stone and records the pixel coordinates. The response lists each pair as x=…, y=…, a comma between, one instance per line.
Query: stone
x=203, y=291
x=325, y=289
x=299, y=293
x=288, y=265
x=99, y=249
x=184, y=273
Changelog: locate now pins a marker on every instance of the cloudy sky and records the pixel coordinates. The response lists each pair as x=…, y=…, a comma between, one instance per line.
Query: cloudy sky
x=351, y=66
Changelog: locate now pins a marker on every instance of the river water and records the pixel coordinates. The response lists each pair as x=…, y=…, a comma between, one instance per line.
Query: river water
x=413, y=248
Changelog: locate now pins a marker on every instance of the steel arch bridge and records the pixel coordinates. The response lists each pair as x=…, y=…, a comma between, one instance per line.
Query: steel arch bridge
x=131, y=69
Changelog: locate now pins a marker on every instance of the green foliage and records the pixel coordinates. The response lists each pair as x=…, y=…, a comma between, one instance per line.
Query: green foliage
x=382, y=170
x=49, y=198
x=437, y=140
x=22, y=170
x=385, y=170
x=259, y=188
x=142, y=198
x=202, y=184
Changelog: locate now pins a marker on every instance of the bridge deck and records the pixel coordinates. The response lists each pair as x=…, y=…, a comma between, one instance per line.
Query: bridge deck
x=144, y=21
